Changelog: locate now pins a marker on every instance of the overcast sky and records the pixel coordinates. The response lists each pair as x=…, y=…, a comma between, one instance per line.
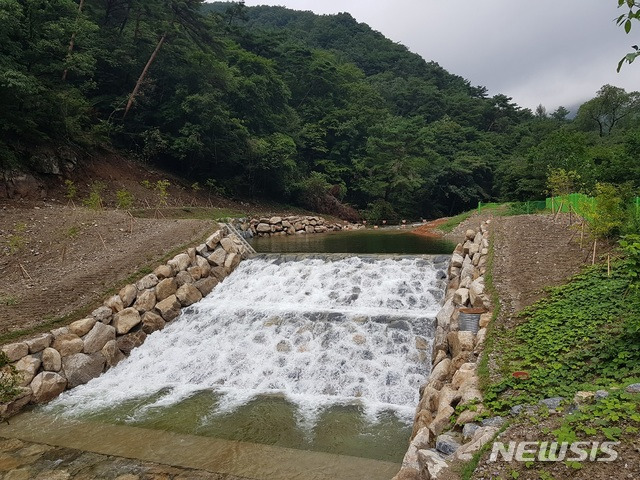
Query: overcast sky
x=554, y=52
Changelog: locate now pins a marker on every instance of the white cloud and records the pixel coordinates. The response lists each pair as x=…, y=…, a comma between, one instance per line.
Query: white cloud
x=554, y=52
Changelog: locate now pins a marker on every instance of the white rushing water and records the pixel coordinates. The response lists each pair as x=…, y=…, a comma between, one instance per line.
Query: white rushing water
x=319, y=331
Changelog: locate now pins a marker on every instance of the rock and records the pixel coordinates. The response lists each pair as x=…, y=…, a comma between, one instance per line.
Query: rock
x=46, y=386
x=99, y=335
x=445, y=313
x=14, y=406
x=152, y=322
x=163, y=271
x=195, y=272
x=183, y=278
x=469, y=393
x=441, y=421
x=582, y=398
x=469, y=430
x=456, y=260
x=213, y=240
x=51, y=360
x=204, y=266
x=432, y=462
x=188, y=295
x=439, y=356
x=125, y=320
x=128, y=342
x=460, y=342
x=518, y=409
x=232, y=261
x=552, y=403
x=359, y=339
x=422, y=343
x=461, y=297
x=128, y=294
x=464, y=375
x=441, y=371
x=27, y=367
x=421, y=439
x=39, y=342
x=275, y=220
x=206, y=285
x=481, y=437
x=633, y=388
x=601, y=395
x=80, y=368
x=146, y=301
x=218, y=257
x=485, y=318
x=82, y=327
x=147, y=282
x=283, y=346
x=112, y=353
x=169, y=308
x=68, y=344
x=102, y=314
x=114, y=303
x=180, y=262
x=470, y=234
x=467, y=416
x=228, y=245
x=407, y=473
x=493, y=422
x=56, y=332
x=481, y=337
x=165, y=288
x=263, y=228
x=446, y=444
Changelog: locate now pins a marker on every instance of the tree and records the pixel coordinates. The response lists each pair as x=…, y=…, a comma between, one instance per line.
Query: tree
x=610, y=107
x=560, y=114
x=626, y=21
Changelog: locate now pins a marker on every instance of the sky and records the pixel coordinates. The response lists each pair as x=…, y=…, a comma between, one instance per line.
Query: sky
x=549, y=52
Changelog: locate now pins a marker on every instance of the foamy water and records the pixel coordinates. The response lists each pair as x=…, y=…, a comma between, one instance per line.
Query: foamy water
x=317, y=331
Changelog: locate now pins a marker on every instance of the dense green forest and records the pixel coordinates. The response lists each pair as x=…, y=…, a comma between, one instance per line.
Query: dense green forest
x=315, y=110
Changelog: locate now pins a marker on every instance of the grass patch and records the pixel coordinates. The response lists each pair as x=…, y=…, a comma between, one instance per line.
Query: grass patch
x=188, y=213
x=453, y=222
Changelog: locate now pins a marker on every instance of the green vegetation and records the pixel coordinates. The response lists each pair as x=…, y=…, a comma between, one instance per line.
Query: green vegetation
x=94, y=200
x=9, y=379
x=453, y=222
x=124, y=199
x=268, y=102
x=582, y=337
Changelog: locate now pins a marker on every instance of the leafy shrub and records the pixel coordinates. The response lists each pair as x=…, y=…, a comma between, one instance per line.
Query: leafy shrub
x=9, y=379
x=94, y=201
x=124, y=199
x=379, y=211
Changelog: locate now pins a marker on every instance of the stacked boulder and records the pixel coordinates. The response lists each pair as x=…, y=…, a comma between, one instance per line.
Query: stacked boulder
x=66, y=357
x=292, y=225
x=438, y=434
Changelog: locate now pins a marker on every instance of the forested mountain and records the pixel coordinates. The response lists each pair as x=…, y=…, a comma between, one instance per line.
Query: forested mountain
x=307, y=109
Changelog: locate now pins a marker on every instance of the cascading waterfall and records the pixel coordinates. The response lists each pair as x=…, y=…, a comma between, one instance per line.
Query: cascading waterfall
x=318, y=331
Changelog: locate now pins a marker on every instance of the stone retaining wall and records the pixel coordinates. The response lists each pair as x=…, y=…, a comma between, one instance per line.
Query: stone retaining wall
x=292, y=225
x=63, y=358
x=453, y=381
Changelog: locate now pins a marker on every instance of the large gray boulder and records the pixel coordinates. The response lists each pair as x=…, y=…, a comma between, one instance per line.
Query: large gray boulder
x=82, y=327
x=15, y=351
x=146, y=301
x=68, y=344
x=152, y=322
x=218, y=257
x=27, y=367
x=188, y=294
x=39, y=342
x=99, y=335
x=80, y=368
x=166, y=288
x=112, y=353
x=128, y=295
x=125, y=320
x=169, y=308
x=46, y=386
x=128, y=342
x=51, y=360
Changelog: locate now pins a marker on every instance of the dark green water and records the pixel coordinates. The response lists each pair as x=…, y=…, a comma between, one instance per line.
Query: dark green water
x=269, y=420
x=358, y=241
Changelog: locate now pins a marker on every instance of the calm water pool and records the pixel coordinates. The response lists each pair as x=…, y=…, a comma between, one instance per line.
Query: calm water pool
x=359, y=241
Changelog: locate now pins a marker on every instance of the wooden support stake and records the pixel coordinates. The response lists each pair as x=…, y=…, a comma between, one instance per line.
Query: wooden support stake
x=103, y=242
x=25, y=274
x=608, y=265
x=559, y=210
x=582, y=236
x=593, y=259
